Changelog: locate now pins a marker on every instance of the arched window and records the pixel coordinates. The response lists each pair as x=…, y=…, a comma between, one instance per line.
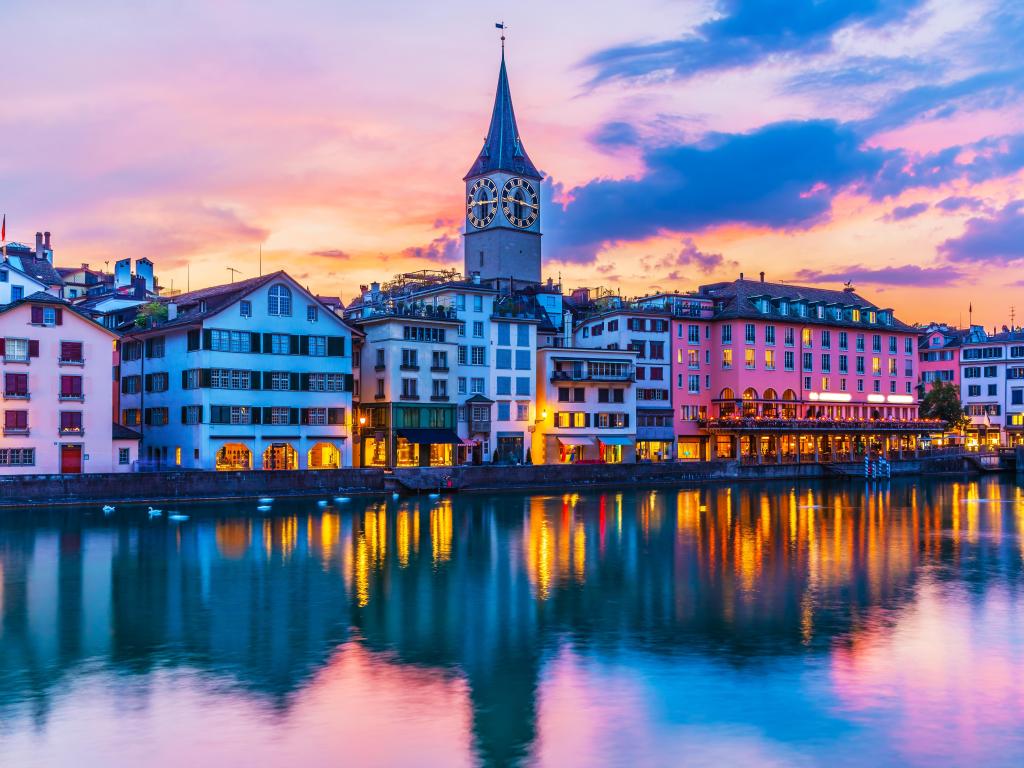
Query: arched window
x=789, y=395
x=750, y=393
x=727, y=394
x=770, y=394
x=279, y=301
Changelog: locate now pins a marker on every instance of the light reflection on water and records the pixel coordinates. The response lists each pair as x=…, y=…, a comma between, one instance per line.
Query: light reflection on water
x=811, y=624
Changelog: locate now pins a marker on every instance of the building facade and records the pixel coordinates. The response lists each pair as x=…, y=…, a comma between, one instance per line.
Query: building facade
x=992, y=387
x=251, y=375
x=56, y=392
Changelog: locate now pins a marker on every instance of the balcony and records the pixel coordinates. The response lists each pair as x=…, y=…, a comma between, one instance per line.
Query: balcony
x=764, y=424
x=586, y=374
x=79, y=398
x=480, y=426
x=16, y=431
x=17, y=396
x=439, y=368
x=409, y=367
x=70, y=361
x=439, y=398
x=408, y=397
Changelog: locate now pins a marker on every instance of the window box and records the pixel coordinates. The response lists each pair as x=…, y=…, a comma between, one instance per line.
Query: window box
x=75, y=398
x=409, y=367
x=439, y=398
x=70, y=431
x=70, y=361
x=409, y=397
x=16, y=431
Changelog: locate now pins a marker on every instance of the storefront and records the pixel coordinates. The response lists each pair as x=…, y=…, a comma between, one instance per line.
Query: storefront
x=573, y=450
x=425, y=447
x=509, y=448
x=611, y=448
x=233, y=457
x=654, y=450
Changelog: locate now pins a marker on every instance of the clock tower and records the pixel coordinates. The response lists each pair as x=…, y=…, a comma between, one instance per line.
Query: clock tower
x=503, y=200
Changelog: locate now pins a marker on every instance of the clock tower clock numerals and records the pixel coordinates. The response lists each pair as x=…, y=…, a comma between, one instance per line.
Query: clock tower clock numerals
x=482, y=203
x=519, y=202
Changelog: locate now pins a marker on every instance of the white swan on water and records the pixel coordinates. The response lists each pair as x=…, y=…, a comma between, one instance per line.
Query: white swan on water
x=266, y=500
x=341, y=499
x=107, y=509
x=155, y=512
x=263, y=508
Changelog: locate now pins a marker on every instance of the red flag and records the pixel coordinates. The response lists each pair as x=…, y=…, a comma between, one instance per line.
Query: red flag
x=3, y=230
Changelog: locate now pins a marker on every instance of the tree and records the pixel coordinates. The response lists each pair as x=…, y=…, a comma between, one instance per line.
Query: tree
x=150, y=314
x=942, y=401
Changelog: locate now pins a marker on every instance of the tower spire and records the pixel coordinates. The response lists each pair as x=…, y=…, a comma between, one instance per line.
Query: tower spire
x=503, y=148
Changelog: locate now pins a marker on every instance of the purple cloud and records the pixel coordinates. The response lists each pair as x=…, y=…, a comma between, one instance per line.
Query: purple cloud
x=331, y=253
x=955, y=203
x=906, y=274
x=445, y=249
x=998, y=239
x=903, y=212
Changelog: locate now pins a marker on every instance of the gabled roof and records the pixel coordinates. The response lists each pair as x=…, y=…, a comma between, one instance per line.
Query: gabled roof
x=503, y=148
x=25, y=260
x=121, y=432
x=41, y=297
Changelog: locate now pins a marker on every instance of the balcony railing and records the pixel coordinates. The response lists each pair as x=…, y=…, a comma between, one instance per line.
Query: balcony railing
x=409, y=397
x=71, y=361
x=760, y=424
x=16, y=430
x=78, y=398
x=439, y=398
x=626, y=374
x=409, y=367
x=16, y=396
x=439, y=368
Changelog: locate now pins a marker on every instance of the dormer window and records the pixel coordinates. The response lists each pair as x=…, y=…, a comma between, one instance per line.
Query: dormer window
x=783, y=307
x=202, y=305
x=820, y=312
x=837, y=313
x=872, y=317
x=279, y=301
x=855, y=315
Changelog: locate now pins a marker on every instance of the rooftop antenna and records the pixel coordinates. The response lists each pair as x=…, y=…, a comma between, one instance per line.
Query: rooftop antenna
x=233, y=272
x=261, y=259
x=1013, y=316
x=188, y=277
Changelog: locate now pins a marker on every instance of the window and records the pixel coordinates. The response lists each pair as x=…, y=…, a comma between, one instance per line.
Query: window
x=748, y=358
x=522, y=385
x=657, y=350
x=748, y=333
x=860, y=342
x=805, y=335
x=462, y=385
x=504, y=334
x=993, y=390
x=503, y=385
x=318, y=346
x=808, y=361
x=71, y=422
x=844, y=342
x=130, y=417
x=522, y=335
x=876, y=343
x=312, y=313
x=228, y=378
x=18, y=457
x=788, y=361
x=315, y=416
x=71, y=352
x=789, y=338
x=17, y=292
x=892, y=366
x=380, y=388
x=826, y=363
x=15, y=422
x=503, y=359
x=423, y=333
x=769, y=334
x=462, y=329
x=131, y=385
x=892, y=345
x=279, y=301
x=71, y=387
x=844, y=366
x=727, y=334
x=439, y=360
x=460, y=301
x=410, y=360
x=522, y=411
x=15, y=385
x=477, y=356
x=245, y=308
x=155, y=347
x=860, y=365
x=876, y=366
x=16, y=350
x=826, y=340
x=478, y=329
x=990, y=371
x=280, y=415
x=280, y=344
x=523, y=360
x=231, y=341
x=124, y=456
x=972, y=372
x=280, y=381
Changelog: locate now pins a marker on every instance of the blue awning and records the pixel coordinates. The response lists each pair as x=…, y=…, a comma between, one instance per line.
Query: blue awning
x=616, y=440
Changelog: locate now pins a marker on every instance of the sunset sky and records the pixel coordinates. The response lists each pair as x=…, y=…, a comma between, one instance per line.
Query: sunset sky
x=879, y=141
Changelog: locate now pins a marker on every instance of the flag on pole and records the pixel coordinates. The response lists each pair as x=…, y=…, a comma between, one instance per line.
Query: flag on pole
x=3, y=235
x=499, y=25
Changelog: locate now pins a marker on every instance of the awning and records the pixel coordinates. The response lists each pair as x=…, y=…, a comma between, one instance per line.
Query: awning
x=425, y=436
x=574, y=441
x=470, y=443
x=616, y=440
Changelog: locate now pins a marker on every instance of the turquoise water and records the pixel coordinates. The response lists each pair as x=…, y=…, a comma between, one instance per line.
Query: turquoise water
x=810, y=624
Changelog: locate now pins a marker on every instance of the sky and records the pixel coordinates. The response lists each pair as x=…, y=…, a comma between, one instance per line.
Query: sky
x=683, y=142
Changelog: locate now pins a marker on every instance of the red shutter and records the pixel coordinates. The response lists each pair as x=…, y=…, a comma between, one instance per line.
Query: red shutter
x=33, y=348
x=60, y=316
x=65, y=386
x=2, y=344
x=37, y=315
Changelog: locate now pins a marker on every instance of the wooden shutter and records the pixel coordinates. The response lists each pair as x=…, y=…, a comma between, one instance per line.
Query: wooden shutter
x=33, y=348
x=335, y=346
x=304, y=381
x=295, y=344
x=303, y=345
x=37, y=315
x=207, y=338
x=184, y=380
x=295, y=382
x=293, y=415
x=60, y=316
x=266, y=415
x=255, y=342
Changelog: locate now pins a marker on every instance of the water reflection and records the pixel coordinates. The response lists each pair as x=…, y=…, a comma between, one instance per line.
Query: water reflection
x=738, y=623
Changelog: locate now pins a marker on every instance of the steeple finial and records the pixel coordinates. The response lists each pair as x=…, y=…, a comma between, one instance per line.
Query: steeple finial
x=501, y=25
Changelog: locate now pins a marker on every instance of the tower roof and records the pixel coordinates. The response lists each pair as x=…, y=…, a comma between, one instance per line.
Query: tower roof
x=503, y=149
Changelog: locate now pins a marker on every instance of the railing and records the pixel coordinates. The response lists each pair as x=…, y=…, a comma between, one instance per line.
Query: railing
x=408, y=367
x=586, y=375
x=749, y=424
x=17, y=396
x=439, y=398
x=79, y=397
x=16, y=430
x=426, y=311
x=408, y=397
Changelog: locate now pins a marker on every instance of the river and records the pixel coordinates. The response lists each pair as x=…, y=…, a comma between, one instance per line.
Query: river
x=781, y=624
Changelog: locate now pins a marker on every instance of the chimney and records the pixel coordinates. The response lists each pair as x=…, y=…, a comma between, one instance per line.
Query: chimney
x=39, y=245
x=762, y=277
x=46, y=240
x=741, y=275
x=172, y=310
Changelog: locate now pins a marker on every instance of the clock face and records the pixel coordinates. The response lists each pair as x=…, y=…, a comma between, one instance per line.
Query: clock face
x=482, y=203
x=519, y=202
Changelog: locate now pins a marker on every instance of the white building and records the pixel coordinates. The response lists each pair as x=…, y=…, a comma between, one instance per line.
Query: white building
x=57, y=393
x=586, y=406
x=992, y=387
x=252, y=375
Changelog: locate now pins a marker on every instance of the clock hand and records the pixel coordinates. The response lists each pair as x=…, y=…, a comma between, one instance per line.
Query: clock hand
x=521, y=202
x=484, y=202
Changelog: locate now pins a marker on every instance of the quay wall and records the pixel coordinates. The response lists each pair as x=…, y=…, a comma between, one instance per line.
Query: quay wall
x=197, y=485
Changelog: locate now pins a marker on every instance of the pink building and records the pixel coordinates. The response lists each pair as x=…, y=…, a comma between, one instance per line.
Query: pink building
x=939, y=356
x=776, y=372
x=57, y=395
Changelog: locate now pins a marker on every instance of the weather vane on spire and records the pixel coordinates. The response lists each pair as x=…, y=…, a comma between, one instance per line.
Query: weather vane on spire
x=501, y=25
